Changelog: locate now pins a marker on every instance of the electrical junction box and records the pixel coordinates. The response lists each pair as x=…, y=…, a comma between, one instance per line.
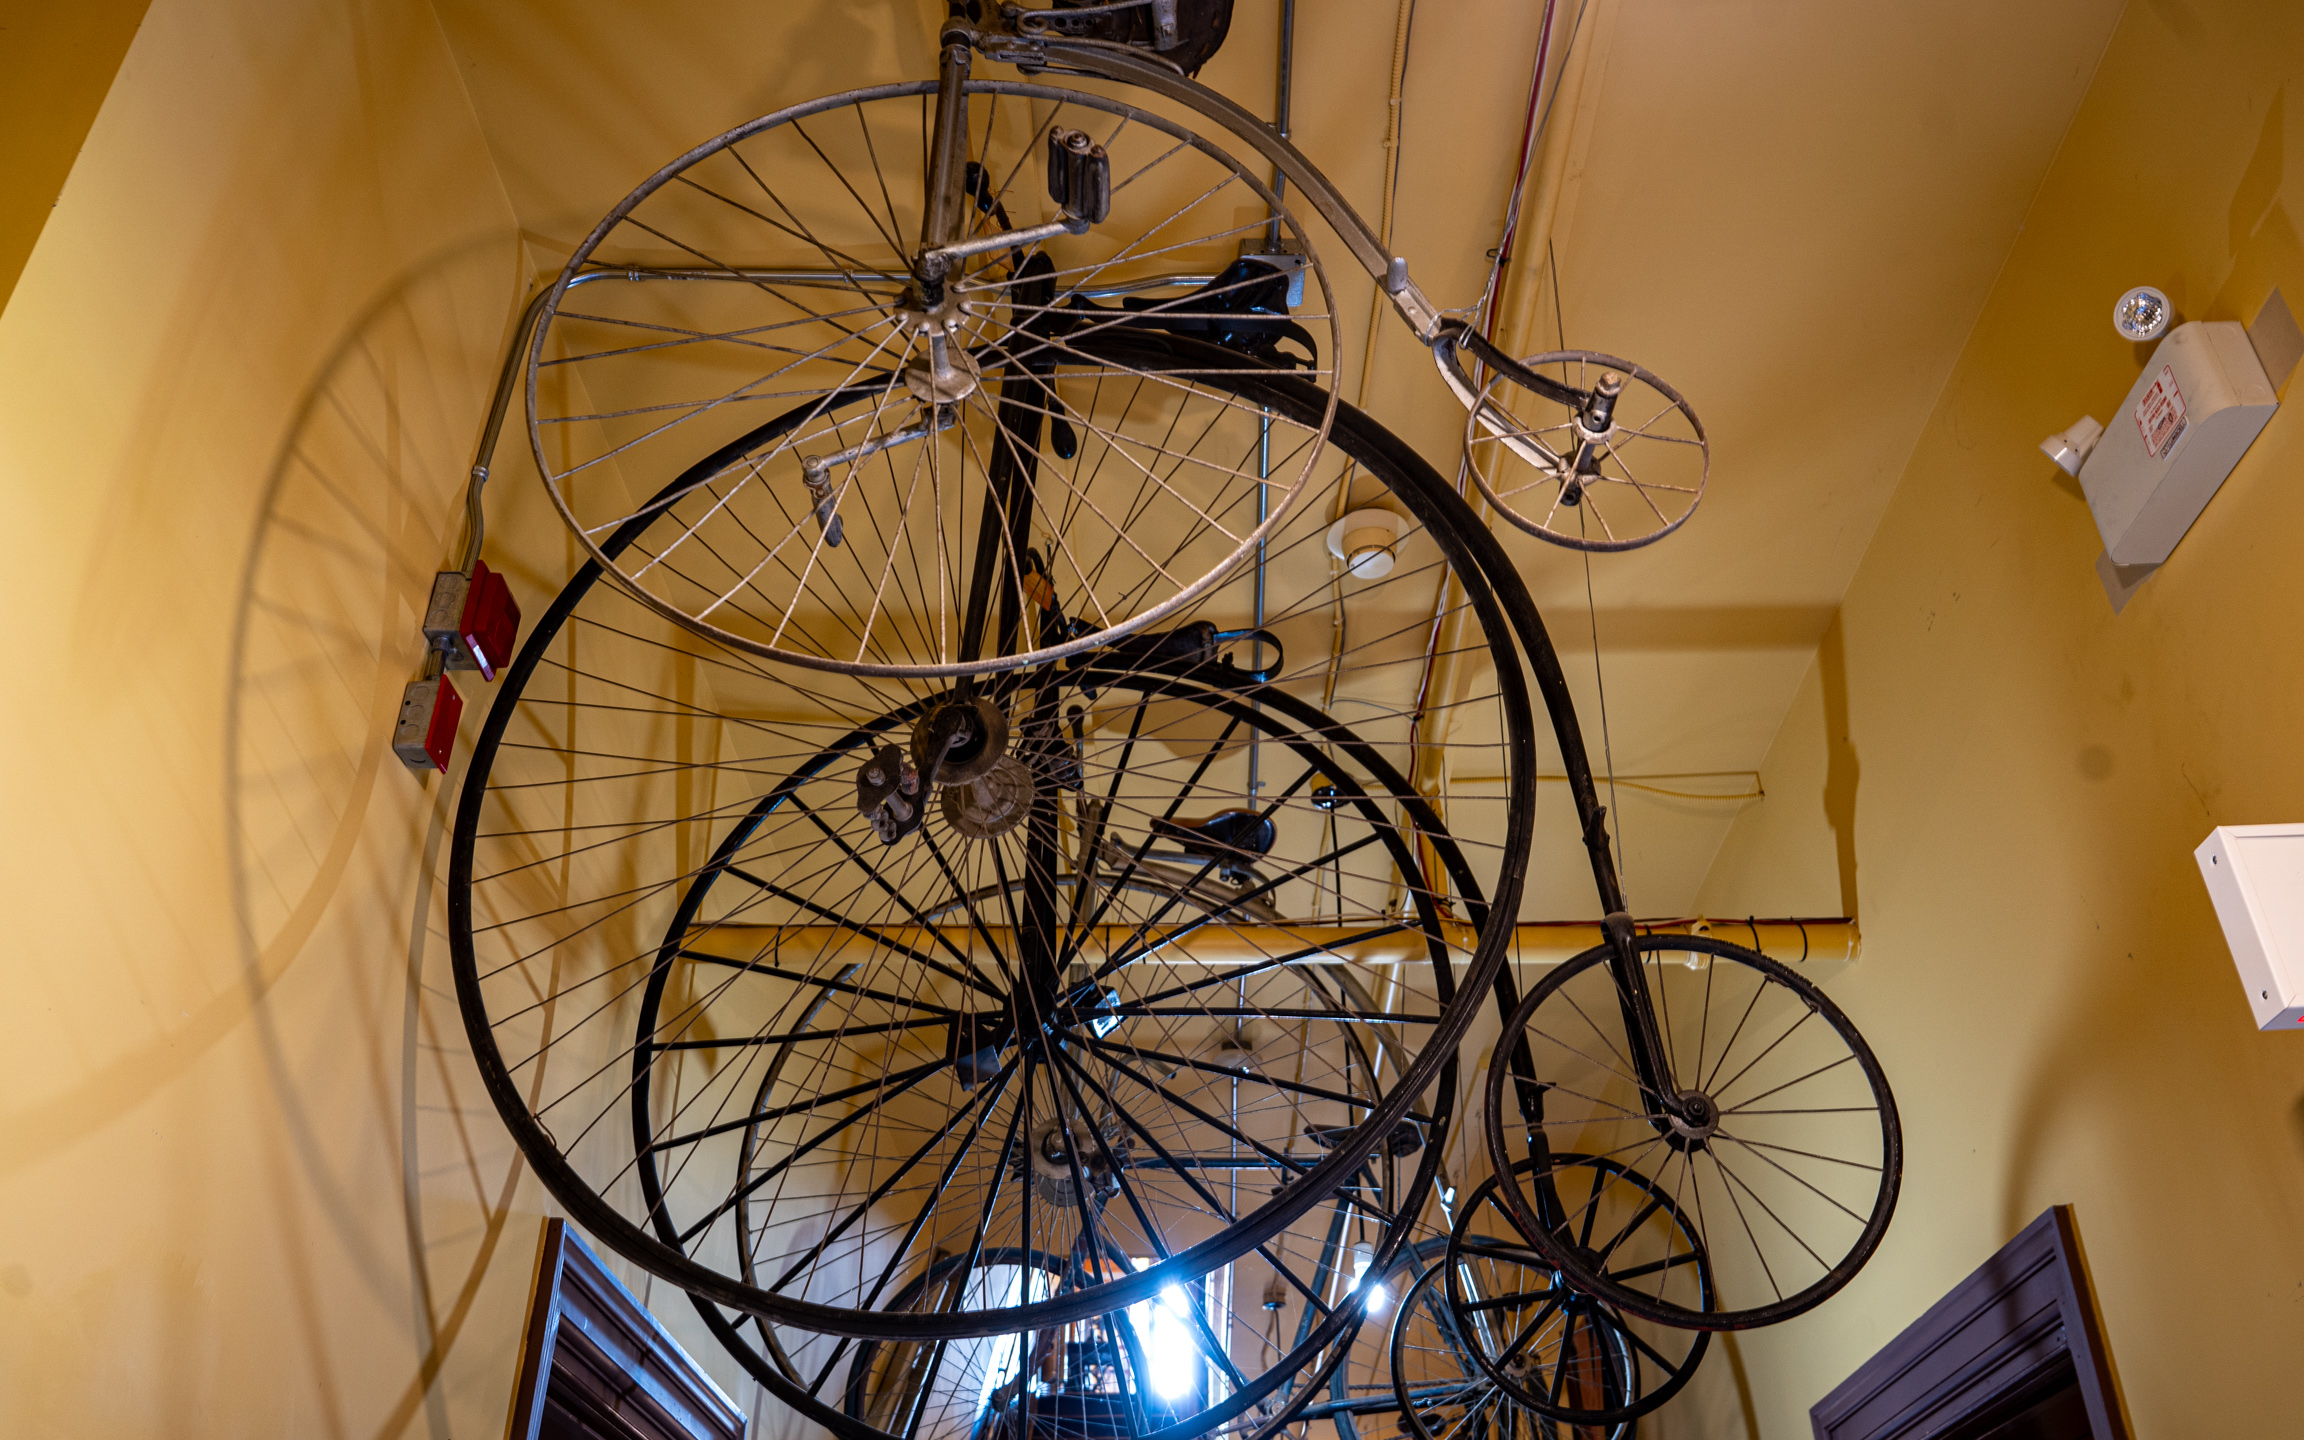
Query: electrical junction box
x=474, y=620
x=2255, y=876
x=490, y=624
x=424, y=736
x=2192, y=414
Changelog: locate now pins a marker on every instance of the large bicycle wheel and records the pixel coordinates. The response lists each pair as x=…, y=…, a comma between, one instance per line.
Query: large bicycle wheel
x=1207, y=1351
x=936, y=428
x=1758, y=1110
x=1203, y=1355
x=639, y=791
x=1569, y=1357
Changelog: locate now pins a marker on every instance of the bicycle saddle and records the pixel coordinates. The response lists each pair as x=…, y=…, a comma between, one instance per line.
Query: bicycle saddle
x=1185, y=33
x=1227, y=835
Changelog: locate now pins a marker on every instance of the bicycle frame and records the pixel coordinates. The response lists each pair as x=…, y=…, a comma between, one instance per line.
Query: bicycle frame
x=1036, y=53
x=1005, y=42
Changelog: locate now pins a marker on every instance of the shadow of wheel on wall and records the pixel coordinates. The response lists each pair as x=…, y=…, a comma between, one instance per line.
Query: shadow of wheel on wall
x=332, y=845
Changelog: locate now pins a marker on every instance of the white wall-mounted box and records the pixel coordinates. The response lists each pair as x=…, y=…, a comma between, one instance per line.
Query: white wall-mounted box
x=2189, y=418
x=2255, y=876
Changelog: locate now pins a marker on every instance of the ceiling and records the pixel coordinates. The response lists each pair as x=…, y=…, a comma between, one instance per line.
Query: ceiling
x=1790, y=209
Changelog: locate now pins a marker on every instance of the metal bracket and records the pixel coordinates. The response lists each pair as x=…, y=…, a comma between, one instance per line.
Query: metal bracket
x=1414, y=306
x=1282, y=257
x=1452, y=335
x=1133, y=67
x=816, y=470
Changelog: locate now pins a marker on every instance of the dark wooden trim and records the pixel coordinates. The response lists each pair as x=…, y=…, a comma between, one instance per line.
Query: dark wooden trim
x=2084, y=1333
x=599, y=1361
x=2022, y=1322
x=543, y=1328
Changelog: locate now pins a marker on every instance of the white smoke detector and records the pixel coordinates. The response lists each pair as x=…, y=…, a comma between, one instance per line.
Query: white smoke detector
x=1367, y=541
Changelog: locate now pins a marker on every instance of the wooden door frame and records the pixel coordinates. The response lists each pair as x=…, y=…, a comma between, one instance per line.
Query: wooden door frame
x=615, y=1351
x=2023, y=1314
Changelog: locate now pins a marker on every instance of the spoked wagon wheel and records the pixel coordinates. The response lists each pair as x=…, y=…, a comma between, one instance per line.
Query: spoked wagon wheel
x=639, y=791
x=1778, y=1143
x=883, y=530
x=1573, y=1359
x=1586, y=450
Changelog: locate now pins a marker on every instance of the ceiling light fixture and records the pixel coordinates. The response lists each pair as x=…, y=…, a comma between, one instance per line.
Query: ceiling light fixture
x=2143, y=314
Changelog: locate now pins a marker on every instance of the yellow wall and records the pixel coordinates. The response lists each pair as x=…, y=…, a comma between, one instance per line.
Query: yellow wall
x=56, y=62
x=247, y=1182
x=2012, y=779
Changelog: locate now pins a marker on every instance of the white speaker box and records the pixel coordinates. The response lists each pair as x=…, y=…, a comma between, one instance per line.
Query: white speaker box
x=2255, y=876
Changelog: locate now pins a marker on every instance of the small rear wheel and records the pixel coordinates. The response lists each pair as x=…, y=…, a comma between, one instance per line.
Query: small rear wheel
x=1604, y=456
x=1573, y=1359
x=1440, y=1389
x=1766, y=1120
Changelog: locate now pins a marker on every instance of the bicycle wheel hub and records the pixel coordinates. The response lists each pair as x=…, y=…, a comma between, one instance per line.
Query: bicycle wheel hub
x=990, y=806
x=941, y=372
x=975, y=745
x=1062, y=1155
x=1695, y=1119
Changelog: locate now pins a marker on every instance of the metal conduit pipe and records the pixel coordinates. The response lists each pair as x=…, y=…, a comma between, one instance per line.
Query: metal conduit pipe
x=1429, y=724
x=1285, y=86
x=1801, y=941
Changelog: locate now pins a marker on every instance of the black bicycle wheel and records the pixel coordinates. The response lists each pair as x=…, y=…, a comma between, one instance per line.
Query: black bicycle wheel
x=1764, y=1117
x=1562, y=1354
x=1278, y=1021
x=911, y=1387
x=624, y=755
x=1441, y=1391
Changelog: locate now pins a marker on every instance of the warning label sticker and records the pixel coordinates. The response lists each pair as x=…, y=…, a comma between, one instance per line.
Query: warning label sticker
x=2160, y=414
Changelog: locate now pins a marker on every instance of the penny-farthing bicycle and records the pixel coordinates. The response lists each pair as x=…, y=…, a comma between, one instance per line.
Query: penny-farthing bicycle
x=1004, y=335
x=641, y=795
x=939, y=247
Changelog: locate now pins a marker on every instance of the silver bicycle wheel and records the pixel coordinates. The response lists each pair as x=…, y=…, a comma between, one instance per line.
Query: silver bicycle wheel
x=943, y=428
x=1603, y=456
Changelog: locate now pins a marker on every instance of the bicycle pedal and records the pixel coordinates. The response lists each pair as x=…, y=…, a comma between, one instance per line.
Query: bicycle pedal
x=888, y=794
x=1079, y=175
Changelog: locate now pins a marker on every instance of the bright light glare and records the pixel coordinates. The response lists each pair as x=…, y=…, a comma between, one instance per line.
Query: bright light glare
x=1003, y=1356
x=1363, y=1257
x=1169, y=1348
